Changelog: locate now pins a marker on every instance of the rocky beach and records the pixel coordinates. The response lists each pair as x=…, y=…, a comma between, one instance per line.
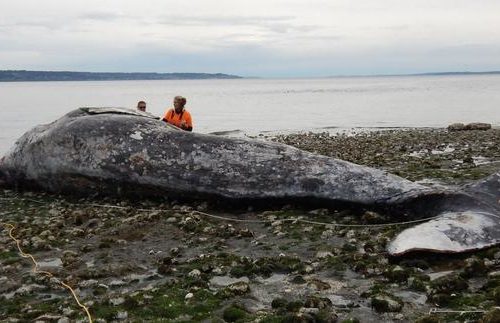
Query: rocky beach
x=168, y=260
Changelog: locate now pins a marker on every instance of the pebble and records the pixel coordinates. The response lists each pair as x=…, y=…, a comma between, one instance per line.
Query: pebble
x=327, y=234
x=494, y=274
x=188, y=296
x=323, y=254
x=117, y=301
x=239, y=288
x=117, y=283
x=122, y=315
x=195, y=273
x=88, y=283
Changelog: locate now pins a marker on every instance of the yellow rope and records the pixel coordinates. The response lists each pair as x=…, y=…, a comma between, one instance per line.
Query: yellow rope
x=46, y=273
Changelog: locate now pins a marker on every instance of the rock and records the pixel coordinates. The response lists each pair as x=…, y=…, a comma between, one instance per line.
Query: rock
x=428, y=319
x=474, y=267
x=233, y=314
x=45, y=234
x=385, y=303
x=224, y=281
x=63, y=319
x=117, y=283
x=298, y=280
x=28, y=289
x=327, y=234
x=195, y=273
x=39, y=243
x=326, y=316
x=318, y=284
x=88, y=283
x=319, y=212
x=188, y=296
x=397, y=274
x=468, y=160
x=323, y=254
x=93, y=223
x=172, y=219
x=239, y=288
x=69, y=257
x=339, y=301
x=469, y=126
x=46, y=317
x=279, y=303
x=202, y=207
x=174, y=252
x=76, y=232
x=318, y=302
x=494, y=274
x=373, y=218
x=492, y=316
x=164, y=269
x=117, y=301
x=478, y=126
x=350, y=234
x=418, y=283
x=496, y=296
x=449, y=284
x=456, y=127
x=79, y=217
x=122, y=315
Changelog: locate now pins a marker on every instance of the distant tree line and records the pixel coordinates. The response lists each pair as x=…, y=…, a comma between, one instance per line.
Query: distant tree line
x=22, y=75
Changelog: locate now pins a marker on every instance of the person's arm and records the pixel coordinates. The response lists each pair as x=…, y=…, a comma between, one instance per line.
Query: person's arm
x=188, y=126
x=164, y=118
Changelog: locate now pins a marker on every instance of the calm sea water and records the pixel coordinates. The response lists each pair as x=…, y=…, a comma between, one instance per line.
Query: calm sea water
x=259, y=105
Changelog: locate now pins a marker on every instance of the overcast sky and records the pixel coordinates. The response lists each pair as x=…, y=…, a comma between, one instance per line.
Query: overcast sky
x=269, y=38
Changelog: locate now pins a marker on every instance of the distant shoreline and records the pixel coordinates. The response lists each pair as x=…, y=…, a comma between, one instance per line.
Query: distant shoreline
x=420, y=74
x=47, y=76
x=54, y=76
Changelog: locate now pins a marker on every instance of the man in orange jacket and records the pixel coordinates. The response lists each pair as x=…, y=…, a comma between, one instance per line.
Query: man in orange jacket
x=179, y=116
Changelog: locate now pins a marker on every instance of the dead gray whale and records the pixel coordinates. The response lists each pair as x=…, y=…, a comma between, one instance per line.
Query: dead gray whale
x=118, y=151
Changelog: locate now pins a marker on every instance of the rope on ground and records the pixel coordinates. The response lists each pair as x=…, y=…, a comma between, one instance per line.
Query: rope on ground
x=219, y=217
x=36, y=270
x=438, y=311
x=20, y=198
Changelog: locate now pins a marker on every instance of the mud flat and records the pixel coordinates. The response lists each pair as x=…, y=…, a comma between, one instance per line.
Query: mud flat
x=170, y=260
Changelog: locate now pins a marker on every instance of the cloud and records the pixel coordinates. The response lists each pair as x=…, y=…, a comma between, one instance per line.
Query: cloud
x=261, y=37
x=275, y=24
x=17, y=26
x=102, y=16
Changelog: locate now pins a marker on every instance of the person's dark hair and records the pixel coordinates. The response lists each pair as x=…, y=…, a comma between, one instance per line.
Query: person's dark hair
x=182, y=99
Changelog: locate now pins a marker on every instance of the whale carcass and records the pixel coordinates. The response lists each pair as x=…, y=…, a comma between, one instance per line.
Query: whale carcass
x=121, y=151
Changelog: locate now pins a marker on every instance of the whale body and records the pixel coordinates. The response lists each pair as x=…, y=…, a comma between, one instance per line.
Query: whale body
x=109, y=151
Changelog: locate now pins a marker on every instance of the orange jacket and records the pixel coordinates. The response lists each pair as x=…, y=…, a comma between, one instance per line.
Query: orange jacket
x=181, y=120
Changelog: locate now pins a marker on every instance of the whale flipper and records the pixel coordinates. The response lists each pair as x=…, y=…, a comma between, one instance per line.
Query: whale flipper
x=451, y=232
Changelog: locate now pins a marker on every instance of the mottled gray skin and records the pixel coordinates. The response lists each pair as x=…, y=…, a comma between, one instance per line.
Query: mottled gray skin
x=113, y=151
